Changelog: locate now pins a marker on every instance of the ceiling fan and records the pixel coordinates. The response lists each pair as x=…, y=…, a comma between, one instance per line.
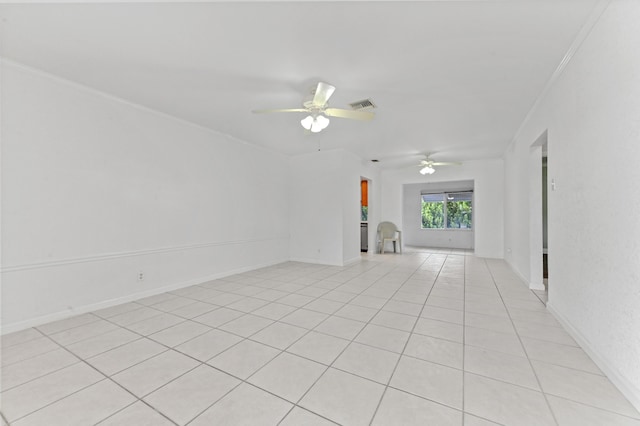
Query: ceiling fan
x=427, y=165
x=317, y=107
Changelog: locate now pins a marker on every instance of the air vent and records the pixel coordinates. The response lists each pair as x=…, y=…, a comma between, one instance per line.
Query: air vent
x=366, y=103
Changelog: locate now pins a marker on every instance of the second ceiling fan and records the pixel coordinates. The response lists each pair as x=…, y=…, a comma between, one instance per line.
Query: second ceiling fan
x=427, y=165
x=317, y=107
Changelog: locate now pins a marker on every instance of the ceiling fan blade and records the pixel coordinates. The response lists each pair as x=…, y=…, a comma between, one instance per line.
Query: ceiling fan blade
x=323, y=93
x=264, y=111
x=420, y=165
x=446, y=164
x=345, y=113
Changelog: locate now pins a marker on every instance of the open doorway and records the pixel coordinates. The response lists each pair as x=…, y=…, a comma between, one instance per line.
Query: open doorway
x=364, y=215
x=538, y=233
x=545, y=231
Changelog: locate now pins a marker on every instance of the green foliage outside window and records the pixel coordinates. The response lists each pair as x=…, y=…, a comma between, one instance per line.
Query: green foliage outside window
x=459, y=214
x=432, y=214
x=441, y=211
x=364, y=214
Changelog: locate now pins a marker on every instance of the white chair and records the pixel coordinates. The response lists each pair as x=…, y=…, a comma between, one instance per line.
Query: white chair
x=388, y=232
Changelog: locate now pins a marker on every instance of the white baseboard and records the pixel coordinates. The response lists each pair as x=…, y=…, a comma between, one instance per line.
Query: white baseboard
x=498, y=256
x=352, y=261
x=314, y=261
x=44, y=319
x=536, y=286
x=531, y=285
x=631, y=392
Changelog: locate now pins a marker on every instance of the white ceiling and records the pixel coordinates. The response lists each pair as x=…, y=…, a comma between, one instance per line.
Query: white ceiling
x=452, y=77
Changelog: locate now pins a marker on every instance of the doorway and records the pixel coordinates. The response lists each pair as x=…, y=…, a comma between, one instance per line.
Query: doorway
x=545, y=231
x=364, y=215
x=538, y=246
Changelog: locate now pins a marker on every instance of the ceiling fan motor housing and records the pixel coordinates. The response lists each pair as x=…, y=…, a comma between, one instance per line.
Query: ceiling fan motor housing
x=313, y=108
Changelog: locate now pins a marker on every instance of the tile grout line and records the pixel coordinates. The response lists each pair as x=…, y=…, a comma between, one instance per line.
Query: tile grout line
x=296, y=404
x=565, y=367
x=172, y=348
x=356, y=286
x=345, y=348
x=4, y=346
x=105, y=378
x=464, y=345
x=200, y=363
x=366, y=344
x=59, y=346
x=143, y=336
x=553, y=415
x=245, y=381
x=464, y=334
x=409, y=338
x=132, y=404
x=109, y=377
x=147, y=336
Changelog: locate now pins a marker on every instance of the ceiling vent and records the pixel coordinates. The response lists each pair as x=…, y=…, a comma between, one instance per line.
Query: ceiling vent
x=366, y=103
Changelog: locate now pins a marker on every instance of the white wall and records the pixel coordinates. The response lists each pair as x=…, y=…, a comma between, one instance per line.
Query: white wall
x=591, y=114
x=325, y=206
x=488, y=209
x=415, y=235
x=95, y=190
x=316, y=210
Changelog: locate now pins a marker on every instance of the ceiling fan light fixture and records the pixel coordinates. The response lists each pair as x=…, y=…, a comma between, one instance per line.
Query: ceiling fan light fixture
x=307, y=122
x=320, y=123
x=427, y=170
x=315, y=124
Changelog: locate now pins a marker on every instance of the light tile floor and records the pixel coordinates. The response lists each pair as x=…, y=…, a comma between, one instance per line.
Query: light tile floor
x=429, y=337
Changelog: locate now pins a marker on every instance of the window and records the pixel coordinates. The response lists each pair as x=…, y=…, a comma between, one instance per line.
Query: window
x=447, y=210
x=364, y=213
x=433, y=210
x=459, y=210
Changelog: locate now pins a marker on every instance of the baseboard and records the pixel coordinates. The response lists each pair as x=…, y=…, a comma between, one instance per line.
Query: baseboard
x=483, y=255
x=44, y=319
x=530, y=285
x=352, y=261
x=533, y=286
x=631, y=392
x=314, y=261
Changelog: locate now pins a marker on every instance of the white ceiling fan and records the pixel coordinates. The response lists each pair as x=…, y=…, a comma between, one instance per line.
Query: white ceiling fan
x=427, y=166
x=317, y=107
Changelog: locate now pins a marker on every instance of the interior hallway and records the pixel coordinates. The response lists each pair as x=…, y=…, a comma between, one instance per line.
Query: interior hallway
x=428, y=337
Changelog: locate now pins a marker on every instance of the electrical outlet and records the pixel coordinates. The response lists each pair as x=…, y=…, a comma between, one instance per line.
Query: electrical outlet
x=140, y=276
